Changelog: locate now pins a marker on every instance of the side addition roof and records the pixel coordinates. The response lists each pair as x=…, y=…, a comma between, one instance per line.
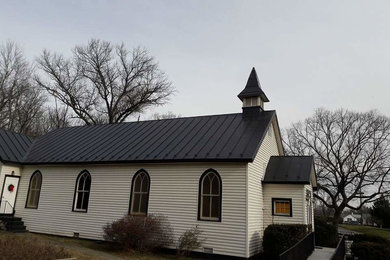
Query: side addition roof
x=290, y=169
x=230, y=137
x=13, y=146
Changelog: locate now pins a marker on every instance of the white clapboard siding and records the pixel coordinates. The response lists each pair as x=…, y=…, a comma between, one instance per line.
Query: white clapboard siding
x=309, y=188
x=289, y=191
x=173, y=193
x=1, y=177
x=256, y=172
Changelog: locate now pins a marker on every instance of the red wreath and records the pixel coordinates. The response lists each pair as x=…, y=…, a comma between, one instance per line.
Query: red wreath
x=11, y=187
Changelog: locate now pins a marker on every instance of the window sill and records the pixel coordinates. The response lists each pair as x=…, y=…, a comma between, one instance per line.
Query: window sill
x=138, y=215
x=210, y=219
x=281, y=215
x=79, y=211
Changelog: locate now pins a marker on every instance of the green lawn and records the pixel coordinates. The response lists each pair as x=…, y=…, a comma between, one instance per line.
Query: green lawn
x=385, y=233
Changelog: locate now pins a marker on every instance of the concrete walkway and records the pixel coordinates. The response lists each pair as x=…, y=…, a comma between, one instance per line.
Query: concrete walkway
x=325, y=253
x=322, y=253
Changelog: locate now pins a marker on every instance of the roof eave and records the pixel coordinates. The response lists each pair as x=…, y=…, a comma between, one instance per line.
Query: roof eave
x=9, y=162
x=243, y=95
x=224, y=160
x=286, y=182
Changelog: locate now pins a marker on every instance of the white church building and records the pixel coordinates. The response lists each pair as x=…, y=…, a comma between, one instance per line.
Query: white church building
x=226, y=173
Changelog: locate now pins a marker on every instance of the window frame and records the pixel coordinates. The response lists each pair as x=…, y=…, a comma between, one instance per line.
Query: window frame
x=29, y=189
x=200, y=217
x=75, y=196
x=132, y=194
x=274, y=200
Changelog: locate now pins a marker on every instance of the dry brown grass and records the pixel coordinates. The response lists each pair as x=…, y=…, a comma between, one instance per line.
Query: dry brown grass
x=82, y=249
x=16, y=247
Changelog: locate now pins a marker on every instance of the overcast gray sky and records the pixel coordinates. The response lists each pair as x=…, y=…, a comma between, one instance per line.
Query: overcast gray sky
x=308, y=54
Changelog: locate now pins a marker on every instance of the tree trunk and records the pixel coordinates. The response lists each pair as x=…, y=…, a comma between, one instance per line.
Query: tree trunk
x=336, y=217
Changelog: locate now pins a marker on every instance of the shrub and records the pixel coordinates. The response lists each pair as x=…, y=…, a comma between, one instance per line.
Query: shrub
x=370, y=250
x=279, y=238
x=370, y=247
x=325, y=234
x=140, y=233
x=369, y=238
x=189, y=241
x=15, y=248
x=310, y=228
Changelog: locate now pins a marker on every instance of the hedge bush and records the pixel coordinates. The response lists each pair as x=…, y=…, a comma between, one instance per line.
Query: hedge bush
x=278, y=238
x=369, y=238
x=370, y=250
x=325, y=234
x=370, y=247
x=140, y=233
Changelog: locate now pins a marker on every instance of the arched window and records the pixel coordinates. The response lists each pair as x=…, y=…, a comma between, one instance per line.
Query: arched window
x=210, y=196
x=140, y=193
x=83, y=188
x=34, y=190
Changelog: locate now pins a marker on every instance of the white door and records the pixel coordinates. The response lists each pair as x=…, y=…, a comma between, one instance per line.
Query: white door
x=8, y=195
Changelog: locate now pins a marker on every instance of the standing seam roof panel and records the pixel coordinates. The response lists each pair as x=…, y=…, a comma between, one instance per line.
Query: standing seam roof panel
x=128, y=150
x=220, y=137
x=120, y=143
x=97, y=147
x=56, y=142
x=93, y=143
x=190, y=141
x=225, y=139
x=13, y=146
x=154, y=136
x=110, y=142
x=72, y=144
x=262, y=131
x=161, y=140
x=183, y=131
x=13, y=154
x=208, y=147
x=198, y=139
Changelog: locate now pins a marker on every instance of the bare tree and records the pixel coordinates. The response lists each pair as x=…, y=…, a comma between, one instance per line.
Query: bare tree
x=55, y=117
x=167, y=115
x=352, y=152
x=20, y=101
x=103, y=83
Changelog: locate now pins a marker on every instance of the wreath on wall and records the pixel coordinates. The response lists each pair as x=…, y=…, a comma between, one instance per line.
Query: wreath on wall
x=11, y=187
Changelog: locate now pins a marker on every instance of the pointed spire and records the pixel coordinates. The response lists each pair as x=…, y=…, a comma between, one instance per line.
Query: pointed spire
x=253, y=88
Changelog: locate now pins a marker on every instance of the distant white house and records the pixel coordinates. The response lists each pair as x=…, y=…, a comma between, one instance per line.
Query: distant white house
x=225, y=173
x=351, y=219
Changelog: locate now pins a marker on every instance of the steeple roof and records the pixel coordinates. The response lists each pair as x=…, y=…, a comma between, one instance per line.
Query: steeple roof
x=253, y=88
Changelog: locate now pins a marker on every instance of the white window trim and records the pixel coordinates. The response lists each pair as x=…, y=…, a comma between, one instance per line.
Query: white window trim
x=202, y=194
x=284, y=201
x=146, y=178
x=36, y=189
x=83, y=190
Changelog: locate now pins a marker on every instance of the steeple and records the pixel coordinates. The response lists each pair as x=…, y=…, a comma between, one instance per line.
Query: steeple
x=253, y=95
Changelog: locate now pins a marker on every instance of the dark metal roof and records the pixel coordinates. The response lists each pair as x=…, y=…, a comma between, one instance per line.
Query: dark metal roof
x=253, y=88
x=289, y=169
x=230, y=137
x=13, y=147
